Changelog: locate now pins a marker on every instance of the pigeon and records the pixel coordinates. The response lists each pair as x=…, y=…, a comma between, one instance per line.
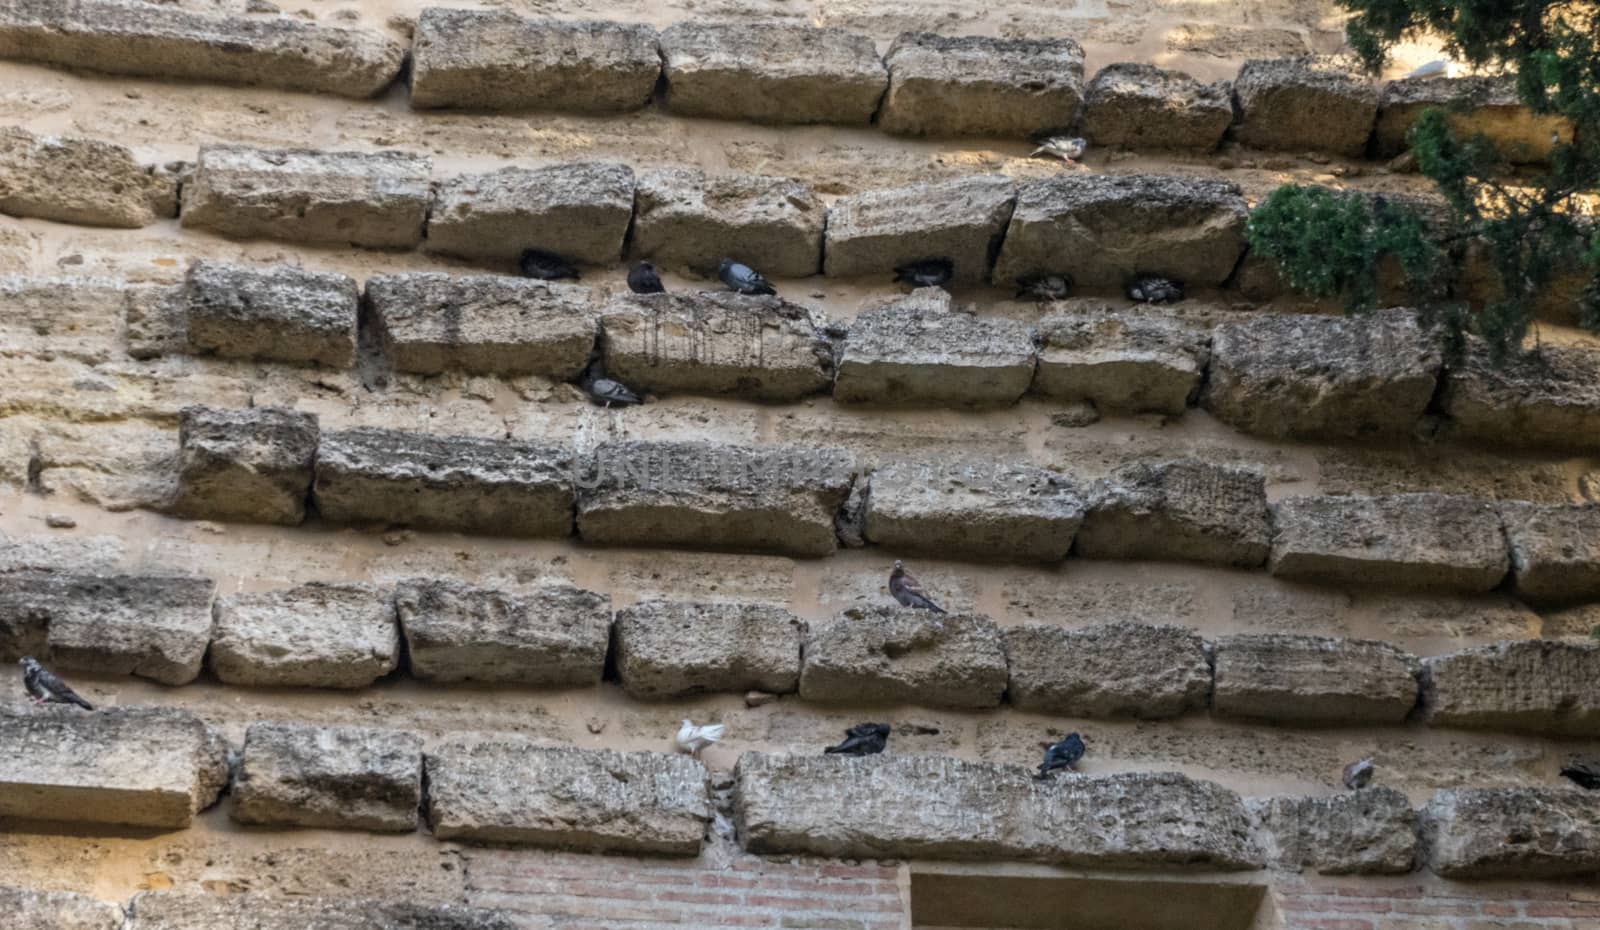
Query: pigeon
x=691, y=739
x=546, y=266
x=1154, y=289
x=1061, y=755
x=1066, y=148
x=742, y=279
x=1046, y=287
x=1358, y=775
x=1585, y=775
x=603, y=390
x=907, y=591
x=46, y=688
x=1433, y=69
x=863, y=739
x=642, y=279
x=928, y=272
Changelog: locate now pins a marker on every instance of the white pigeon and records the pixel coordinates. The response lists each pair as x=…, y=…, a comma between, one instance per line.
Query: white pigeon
x=691, y=739
x=1434, y=69
x=1063, y=147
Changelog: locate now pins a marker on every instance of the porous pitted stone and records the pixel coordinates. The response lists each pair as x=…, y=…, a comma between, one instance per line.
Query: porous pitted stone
x=1527, y=686
x=772, y=73
x=917, y=351
x=686, y=218
x=497, y=60
x=1555, y=551
x=980, y=86
x=151, y=40
x=1122, y=361
x=1475, y=105
x=1144, y=107
x=1371, y=832
x=71, y=179
x=874, y=232
x=1121, y=669
x=1103, y=229
x=369, y=475
x=512, y=791
x=154, y=321
x=244, y=466
x=1185, y=510
x=155, y=626
x=179, y=911
x=280, y=313
x=313, y=636
x=932, y=807
x=1291, y=374
x=371, y=199
x=482, y=324
x=579, y=210
x=778, y=499
x=667, y=649
x=26, y=909
x=974, y=510
x=1316, y=680
x=131, y=767
x=1544, y=399
x=552, y=636
x=1537, y=833
x=1304, y=104
x=341, y=778
x=716, y=342
x=897, y=655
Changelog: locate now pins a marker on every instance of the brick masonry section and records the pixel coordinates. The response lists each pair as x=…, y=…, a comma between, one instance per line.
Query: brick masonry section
x=1331, y=904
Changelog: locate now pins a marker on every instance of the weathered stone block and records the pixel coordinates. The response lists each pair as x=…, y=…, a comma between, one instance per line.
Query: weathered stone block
x=580, y=211
x=341, y=778
x=496, y=60
x=980, y=86
x=716, y=342
x=1475, y=105
x=279, y=314
x=1120, y=669
x=777, y=499
x=431, y=323
x=313, y=636
x=685, y=218
x=1144, y=107
x=931, y=807
x=155, y=626
x=896, y=655
x=177, y=911
x=1555, y=551
x=667, y=649
x=1282, y=375
x=511, y=791
x=917, y=351
x=139, y=768
x=1103, y=229
x=553, y=636
x=149, y=40
x=154, y=321
x=1122, y=361
x=1315, y=680
x=1304, y=103
x=1538, y=833
x=71, y=179
x=1546, y=399
x=976, y=510
x=26, y=909
x=1371, y=832
x=1530, y=686
x=244, y=466
x=772, y=73
x=874, y=232
x=1434, y=542
x=369, y=475
x=1184, y=510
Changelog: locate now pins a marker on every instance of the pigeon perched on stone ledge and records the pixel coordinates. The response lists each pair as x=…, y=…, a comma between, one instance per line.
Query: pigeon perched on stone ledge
x=1585, y=775
x=863, y=739
x=642, y=279
x=546, y=266
x=603, y=390
x=1154, y=289
x=1358, y=775
x=929, y=272
x=46, y=688
x=743, y=279
x=691, y=739
x=1066, y=148
x=1061, y=755
x=906, y=589
x=1046, y=287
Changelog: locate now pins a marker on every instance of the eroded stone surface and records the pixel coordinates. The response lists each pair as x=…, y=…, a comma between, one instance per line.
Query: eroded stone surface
x=1304, y=104
x=279, y=313
x=1475, y=105
x=343, y=778
x=1122, y=669
x=247, y=466
x=976, y=510
x=176, y=911
x=1530, y=686
x=1316, y=680
x=1144, y=107
x=1370, y=832
x=579, y=210
x=874, y=232
x=772, y=73
x=666, y=649
x=1539, y=833
x=979, y=85
x=896, y=655
x=71, y=179
x=553, y=636
x=1122, y=361
x=26, y=909
x=1186, y=510
x=685, y=218
x=1546, y=399
x=1555, y=551
x=314, y=636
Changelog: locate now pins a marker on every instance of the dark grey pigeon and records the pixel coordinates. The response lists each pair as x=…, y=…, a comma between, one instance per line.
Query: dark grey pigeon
x=907, y=591
x=1585, y=775
x=929, y=272
x=1061, y=755
x=642, y=279
x=46, y=688
x=546, y=266
x=742, y=278
x=1046, y=287
x=603, y=390
x=1358, y=775
x=1154, y=289
x=863, y=739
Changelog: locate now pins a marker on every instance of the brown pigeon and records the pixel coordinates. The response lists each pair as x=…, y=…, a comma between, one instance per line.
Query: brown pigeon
x=908, y=591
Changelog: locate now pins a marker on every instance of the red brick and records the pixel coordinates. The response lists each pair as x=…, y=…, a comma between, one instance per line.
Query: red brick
x=1437, y=908
x=1572, y=909
x=1321, y=905
x=698, y=897
x=1377, y=891
x=1329, y=923
x=1492, y=909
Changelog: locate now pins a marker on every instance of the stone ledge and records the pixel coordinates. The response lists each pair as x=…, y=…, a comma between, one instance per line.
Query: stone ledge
x=71, y=179
x=1527, y=686
x=1143, y=107
x=176, y=911
x=1185, y=510
x=1369, y=832
x=684, y=218
x=1527, y=833
x=553, y=636
x=1315, y=680
x=1546, y=400
x=340, y=778
x=1119, y=669
x=579, y=210
x=278, y=314
x=313, y=636
x=1555, y=551
x=245, y=466
x=772, y=73
x=668, y=649
x=1123, y=362
x=1304, y=104
x=974, y=510
x=978, y=85
x=26, y=909
x=896, y=655
x=963, y=220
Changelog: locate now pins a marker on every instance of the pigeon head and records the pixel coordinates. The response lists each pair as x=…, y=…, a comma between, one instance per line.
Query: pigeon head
x=724, y=265
x=899, y=566
x=28, y=662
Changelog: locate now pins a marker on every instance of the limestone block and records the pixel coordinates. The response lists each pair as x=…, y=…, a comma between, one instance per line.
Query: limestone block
x=1527, y=686
x=1121, y=669
x=1185, y=510
x=1370, y=832
x=482, y=324
x=340, y=778
x=1315, y=680
x=974, y=510
x=313, y=636
x=1475, y=105
x=511, y=791
x=1144, y=107
x=154, y=322
x=279, y=314
x=980, y=86
x=244, y=466
x=687, y=219
x=1532, y=833
x=666, y=649
x=1555, y=551
x=579, y=210
x=552, y=636
x=1548, y=399
x=371, y=199
x=716, y=342
x=150, y=40
x=1122, y=361
x=369, y=475
x=772, y=73
x=26, y=909
x=126, y=767
x=1103, y=229
x=496, y=60
x=71, y=179
x=896, y=655
x=1304, y=104
x=917, y=351
x=874, y=232
x=163, y=910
